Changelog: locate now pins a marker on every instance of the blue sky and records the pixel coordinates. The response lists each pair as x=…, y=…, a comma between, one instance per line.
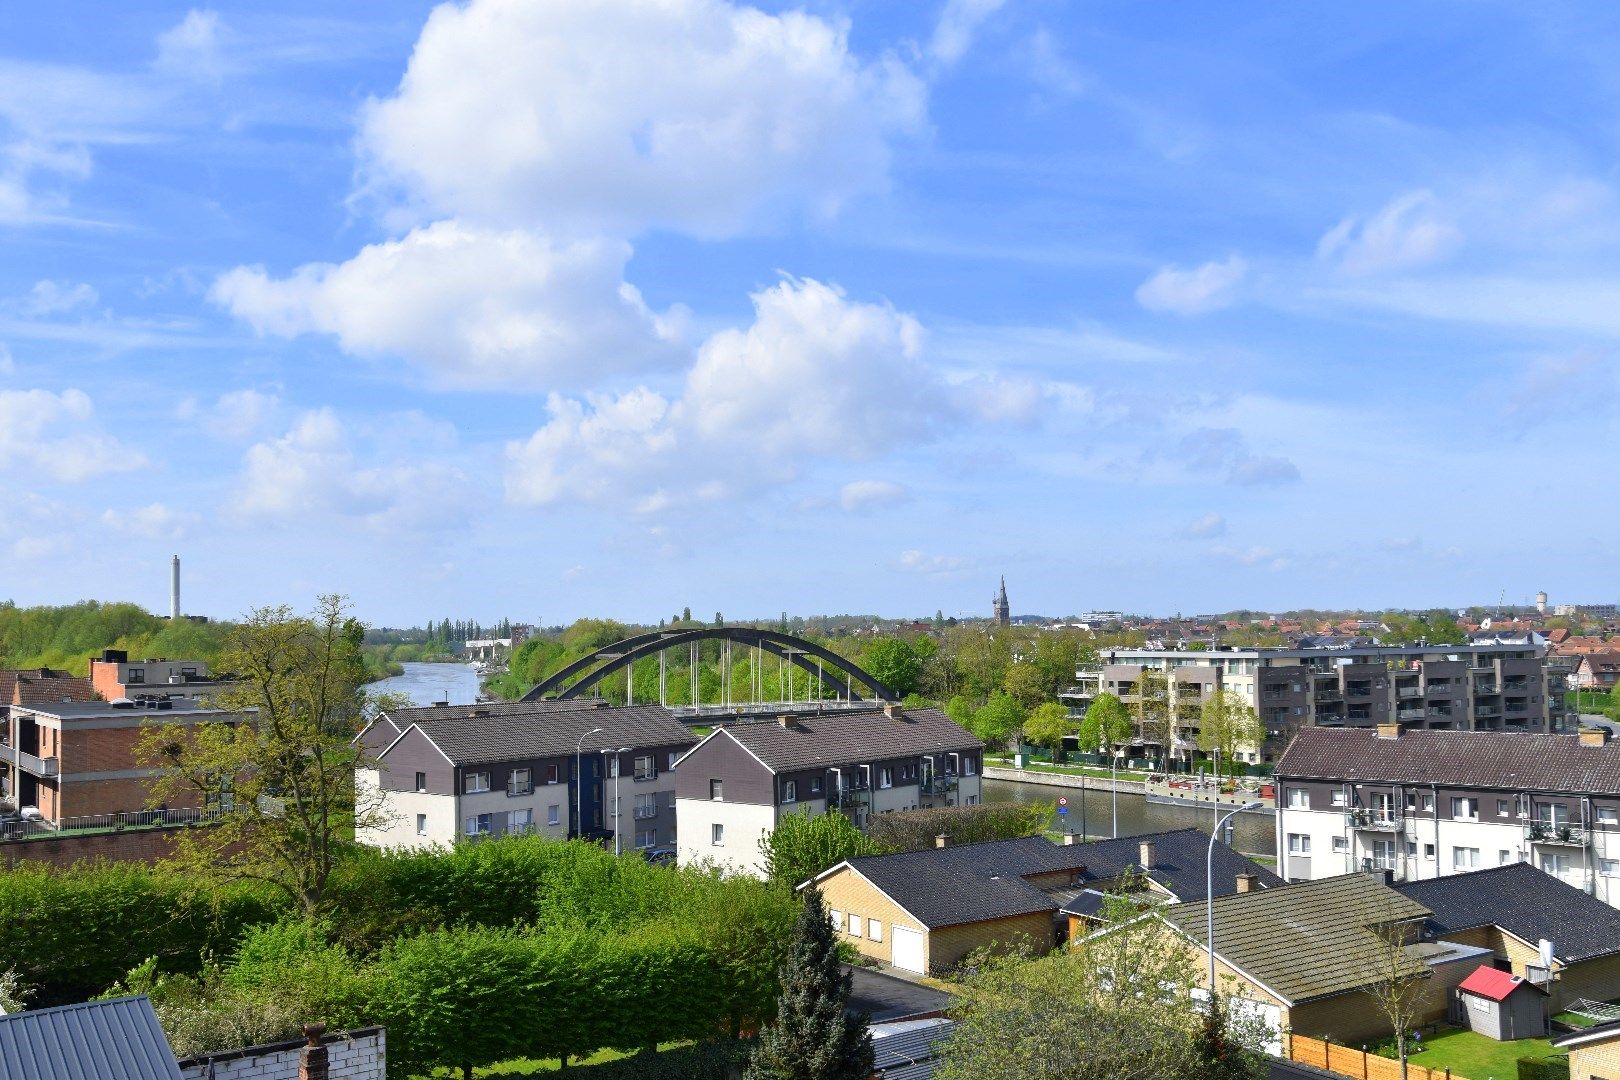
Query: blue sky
x=545, y=309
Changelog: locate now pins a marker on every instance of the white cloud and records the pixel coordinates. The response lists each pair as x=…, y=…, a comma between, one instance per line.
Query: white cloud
x=958, y=24
x=1211, y=524
x=591, y=450
x=861, y=495
x=312, y=472
x=1226, y=451
x=1410, y=231
x=239, y=414
x=1256, y=555
x=191, y=48
x=475, y=307
x=932, y=565
x=152, y=522
x=55, y=434
x=1203, y=289
x=56, y=297
x=616, y=117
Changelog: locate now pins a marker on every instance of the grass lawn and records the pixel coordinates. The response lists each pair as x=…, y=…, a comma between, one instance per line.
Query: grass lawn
x=539, y=1066
x=1474, y=1056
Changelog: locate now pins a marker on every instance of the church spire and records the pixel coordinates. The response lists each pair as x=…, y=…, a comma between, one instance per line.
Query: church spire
x=1002, y=609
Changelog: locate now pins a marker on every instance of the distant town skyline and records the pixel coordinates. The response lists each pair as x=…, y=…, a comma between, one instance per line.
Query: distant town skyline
x=585, y=309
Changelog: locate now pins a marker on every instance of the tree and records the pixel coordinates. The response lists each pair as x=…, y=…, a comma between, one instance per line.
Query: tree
x=1107, y=724
x=914, y=830
x=719, y=619
x=286, y=771
x=1047, y=726
x=1150, y=708
x=815, y=1037
x=1027, y=683
x=1229, y=724
x=892, y=662
x=959, y=710
x=686, y=614
x=1391, y=976
x=801, y=846
x=998, y=719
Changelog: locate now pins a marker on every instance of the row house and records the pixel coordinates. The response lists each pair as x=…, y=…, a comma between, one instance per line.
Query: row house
x=1427, y=804
x=736, y=784
x=557, y=769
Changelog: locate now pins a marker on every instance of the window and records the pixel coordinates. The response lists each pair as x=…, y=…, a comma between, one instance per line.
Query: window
x=717, y=792
x=815, y=785
x=554, y=814
x=837, y=918
x=615, y=811
x=1428, y=851
x=1465, y=809
x=874, y=929
x=1608, y=815
x=717, y=834
x=478, y=825
x=673, y=754
x=646, y=806
x=1555, y=864
x=476, y=781
x=1503, y=856
x=1299, y=799
x=521, y=782
x=646, y=767
x=855, y=924
x=1337, y=798
x=1411, y=848
x=1503, y=808
x=885, y=777
x=421, y=781
x=553, y=774
x=1465, y=858
x=790, y=791
x=1553, y=814
x=519, y=821
x=612, y=765
x=646, y=838
x=969, y=766
x=971, y=800
x=1299, y=844
x=421, y=824
x=1609, y=867
x=1341, y=844
x=137, y=675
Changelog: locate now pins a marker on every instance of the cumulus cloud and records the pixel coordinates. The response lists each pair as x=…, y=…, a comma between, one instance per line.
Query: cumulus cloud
x=1211, y=524
x=1202, y=289
x=154, y=521
x=236, y=414
x=55, y=435
x=56, y=297
x=862, y=495
x=1410, y=231
x=616, y=117
x=1226, y=451
x=958, y=25
x=192, y=47
x=474, y=307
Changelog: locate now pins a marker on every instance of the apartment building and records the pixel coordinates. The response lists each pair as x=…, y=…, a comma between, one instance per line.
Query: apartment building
x=75, y=759
x=559, y=769
x=1427, y=804
x=735, y=785
x=114, y=675
x=1494, y=686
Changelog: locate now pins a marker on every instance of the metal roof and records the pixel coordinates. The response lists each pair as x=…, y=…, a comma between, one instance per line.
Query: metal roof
x=115, y=1039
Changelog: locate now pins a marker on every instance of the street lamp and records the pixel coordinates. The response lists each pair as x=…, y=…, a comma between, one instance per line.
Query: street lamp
x=579, y=784
x=1209, y=893
x=618, y=768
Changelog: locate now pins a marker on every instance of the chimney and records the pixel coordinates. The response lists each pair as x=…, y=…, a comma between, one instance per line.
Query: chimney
x=312, y=1055
x=942, y=840
x=1389, y=731
x=1069, y=839
x=174, y=589
x=1247, y=883
x=1594, y=736
x=786, y=721
x=1145, y=854
x=888, y=708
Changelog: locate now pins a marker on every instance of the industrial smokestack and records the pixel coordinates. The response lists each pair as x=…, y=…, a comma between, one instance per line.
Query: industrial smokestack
x=174, y=589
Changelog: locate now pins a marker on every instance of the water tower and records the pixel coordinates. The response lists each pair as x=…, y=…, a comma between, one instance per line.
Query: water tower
x=1541, y=601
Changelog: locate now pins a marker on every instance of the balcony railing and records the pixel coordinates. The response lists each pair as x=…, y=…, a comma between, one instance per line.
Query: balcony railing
x=1411, y=714
x=848, y=796
x=643, y=813
x=1410, y=691
x=1441, y=688
x=1375, y=820
x=1488, y=710
x=29, y=763
x=1486, y=688
x=23, y=828
x=1545, y=832
x=938, y=785
x=1380, y=862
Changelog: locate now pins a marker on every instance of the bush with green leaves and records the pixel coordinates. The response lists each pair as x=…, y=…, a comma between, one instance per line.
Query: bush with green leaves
x=802, y=846
x=913, y=830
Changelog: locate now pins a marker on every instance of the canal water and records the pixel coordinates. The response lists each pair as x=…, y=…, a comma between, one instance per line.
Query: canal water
x=426, y=683
x=1252, y=833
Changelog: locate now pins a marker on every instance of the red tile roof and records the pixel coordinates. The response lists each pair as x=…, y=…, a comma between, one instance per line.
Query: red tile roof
x=1488, y=982
x=39, y=686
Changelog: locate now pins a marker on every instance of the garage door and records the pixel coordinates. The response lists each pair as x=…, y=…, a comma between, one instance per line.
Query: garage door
x=908, y=949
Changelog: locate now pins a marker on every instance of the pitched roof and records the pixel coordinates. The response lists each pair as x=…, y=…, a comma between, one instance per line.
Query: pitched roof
x=1178, y=863
x=476, y=740
x=115, y=1039
x=1306, y=941
x=405, y=717
x=887, y=998
x=1596, y=1033
x=1524, y=901
x=1488, y=982
x=830, y=739
x=1489, y=759
x=32, y=685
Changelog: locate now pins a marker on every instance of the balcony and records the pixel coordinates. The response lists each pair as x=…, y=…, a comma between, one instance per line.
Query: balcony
x=1411, y=713
x=1544, y=832
x=1488, y=711
x=44, y=767
x=1410, y=691
x=1375, y=820
x=846, y=796
x=937, y=785
x=1380, y=862
x=1486, y=689
x=1328, y=697
x=1441, y=688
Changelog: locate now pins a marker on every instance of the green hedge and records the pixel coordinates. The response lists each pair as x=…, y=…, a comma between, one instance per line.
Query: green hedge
x=1555, y=1068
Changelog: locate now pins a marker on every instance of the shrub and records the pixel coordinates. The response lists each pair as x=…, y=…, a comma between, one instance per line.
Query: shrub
x=1553, y=1068
x=913, y=830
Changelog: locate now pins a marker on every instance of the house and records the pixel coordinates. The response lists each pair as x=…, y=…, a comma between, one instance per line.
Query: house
x=1594, y=1053
x=1428, y=804
x=1303, y=958
x=112, y=1039
x=1516, y=912
x=925, y=911
x=1501, y=1005
x=32, y=686
x=1597, y=671
x=555, y=770
x=735, y=785
x=114, y=675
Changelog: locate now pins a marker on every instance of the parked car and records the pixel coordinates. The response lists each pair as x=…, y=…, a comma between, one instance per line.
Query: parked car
x=661, y=856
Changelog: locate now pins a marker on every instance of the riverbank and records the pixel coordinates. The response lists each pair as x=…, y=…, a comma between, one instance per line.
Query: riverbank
x=1162, y=792
x=1099, y=811
x=425, y=682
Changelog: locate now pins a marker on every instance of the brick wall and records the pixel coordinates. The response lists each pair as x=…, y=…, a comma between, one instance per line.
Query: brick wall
x=355, y=1055
x=949, y=946
x=1600, y=1061
x=141, y=845
x=846, y=892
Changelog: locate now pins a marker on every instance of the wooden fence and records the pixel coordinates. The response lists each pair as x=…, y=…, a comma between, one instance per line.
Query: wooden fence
x=1357, y=1063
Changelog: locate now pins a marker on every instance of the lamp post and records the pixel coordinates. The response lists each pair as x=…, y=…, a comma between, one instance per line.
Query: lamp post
x=1209, y=893
x=1113, y=782
x=579, y=784
x=618, y=768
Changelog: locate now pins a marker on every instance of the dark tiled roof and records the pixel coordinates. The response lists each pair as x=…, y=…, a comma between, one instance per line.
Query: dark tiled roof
x=115, y=1039
x=476, y=740
x=1178, y=863
x=406, y=717
x=970, y=882
x=35, y=688
x=842, y=738
x=885, y=998
x=1488, y=759
x=1306, y=941
x=1527, y=903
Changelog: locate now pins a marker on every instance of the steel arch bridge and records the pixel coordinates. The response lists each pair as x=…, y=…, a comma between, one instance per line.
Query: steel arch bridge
x=806, y=655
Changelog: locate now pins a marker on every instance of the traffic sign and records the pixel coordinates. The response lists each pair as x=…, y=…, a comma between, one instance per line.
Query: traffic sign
x=1063, y=809
x=1063, y=800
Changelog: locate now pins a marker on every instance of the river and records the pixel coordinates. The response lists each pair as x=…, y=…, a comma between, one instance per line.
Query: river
x=426, y=683
x=1252, y=833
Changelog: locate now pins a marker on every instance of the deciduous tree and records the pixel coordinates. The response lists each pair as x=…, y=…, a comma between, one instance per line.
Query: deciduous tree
x=893, y=662
x=1048, y=724
x=1107, y=724
x=998, y=719
x=1228, y=724
x=802, y=846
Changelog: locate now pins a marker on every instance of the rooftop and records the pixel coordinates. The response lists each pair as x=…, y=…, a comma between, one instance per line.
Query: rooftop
x=1525, y=902
x=1178, y=863
x=114, y=1039
x=38, y=685
x=850, y=736
x=1489, y=982
x=887, y=998
x=84, y=710
x=477, y=740
x=1487, y=759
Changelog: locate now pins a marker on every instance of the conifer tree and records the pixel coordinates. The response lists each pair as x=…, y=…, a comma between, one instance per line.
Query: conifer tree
x=814, y=1036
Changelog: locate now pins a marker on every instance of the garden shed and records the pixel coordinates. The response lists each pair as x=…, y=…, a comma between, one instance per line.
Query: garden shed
x=1502, y=1005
